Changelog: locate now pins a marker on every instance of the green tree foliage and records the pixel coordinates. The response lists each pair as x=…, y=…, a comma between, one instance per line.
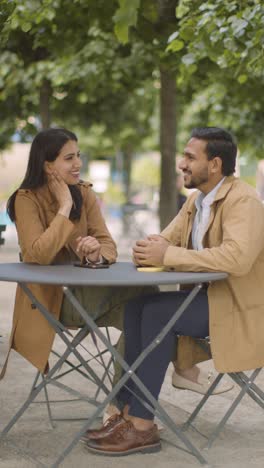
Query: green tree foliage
x=100, y=66
x=220, y=45
x=69, y=50
x=216, y=51
x=229, y=33
x=241, y=111
x=62, y=63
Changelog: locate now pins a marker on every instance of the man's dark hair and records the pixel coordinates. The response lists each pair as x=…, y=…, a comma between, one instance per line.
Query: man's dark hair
x=219, y=143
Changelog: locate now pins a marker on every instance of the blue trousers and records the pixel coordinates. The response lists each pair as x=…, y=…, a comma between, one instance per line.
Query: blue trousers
x=144, y=318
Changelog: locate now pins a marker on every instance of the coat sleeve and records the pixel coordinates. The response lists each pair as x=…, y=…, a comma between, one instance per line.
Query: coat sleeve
x=39, y=244
x=243, y=240
x=173, y=232
x=97, y=228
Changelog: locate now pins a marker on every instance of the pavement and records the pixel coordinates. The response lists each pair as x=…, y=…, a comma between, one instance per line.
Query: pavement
x=240, y=445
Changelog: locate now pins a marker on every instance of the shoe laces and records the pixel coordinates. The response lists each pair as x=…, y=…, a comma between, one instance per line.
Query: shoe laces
x=123, y=429
x=112, y=420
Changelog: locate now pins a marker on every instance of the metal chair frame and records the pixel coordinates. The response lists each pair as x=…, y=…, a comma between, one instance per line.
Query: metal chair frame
x=247, y=387
x=102, y=358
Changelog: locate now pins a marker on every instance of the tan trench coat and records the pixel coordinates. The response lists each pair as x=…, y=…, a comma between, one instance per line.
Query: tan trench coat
x=234, y=243
x=46, y=237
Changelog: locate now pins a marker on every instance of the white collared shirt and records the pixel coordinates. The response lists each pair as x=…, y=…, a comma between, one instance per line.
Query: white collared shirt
x=203, y=205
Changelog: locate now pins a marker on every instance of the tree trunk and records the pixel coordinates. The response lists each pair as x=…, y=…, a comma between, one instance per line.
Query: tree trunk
x=44, y=103
x=168, y=190
x=127, y=165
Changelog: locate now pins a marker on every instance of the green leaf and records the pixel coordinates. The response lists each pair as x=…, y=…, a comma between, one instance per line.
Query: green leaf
x=121, y=32
x=242, y=79
x=173, y=36
x=50, y=15
x=175, y=46
x=182, y=10
x=192, y=68
x=125, y=17
x=187, y=31
x=26, y=26
x=238, y=26
x=14, y=22
x=188, y=59
x=150, y=11
x=230, y=44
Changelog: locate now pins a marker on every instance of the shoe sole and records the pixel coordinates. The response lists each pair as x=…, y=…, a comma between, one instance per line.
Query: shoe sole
x=84, y=441
x=147, y=449
x=215, y=392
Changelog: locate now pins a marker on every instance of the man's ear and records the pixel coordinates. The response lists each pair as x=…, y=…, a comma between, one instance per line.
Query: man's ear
x=216, y=165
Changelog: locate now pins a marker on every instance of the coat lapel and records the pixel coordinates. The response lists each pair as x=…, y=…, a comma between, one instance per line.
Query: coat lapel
x=191, y=215
x=220, y=195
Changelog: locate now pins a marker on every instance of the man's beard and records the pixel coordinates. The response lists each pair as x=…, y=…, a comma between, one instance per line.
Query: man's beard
x=196, y=181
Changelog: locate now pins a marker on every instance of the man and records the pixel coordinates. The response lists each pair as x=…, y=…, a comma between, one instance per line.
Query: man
x=220, y=228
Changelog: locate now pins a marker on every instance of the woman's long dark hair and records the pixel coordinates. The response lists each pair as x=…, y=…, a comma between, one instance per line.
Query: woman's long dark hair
x=46, y=146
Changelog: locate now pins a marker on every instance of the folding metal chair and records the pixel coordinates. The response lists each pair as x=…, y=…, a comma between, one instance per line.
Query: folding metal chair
x=83, y=367
x=246, y=382
x=101, y=359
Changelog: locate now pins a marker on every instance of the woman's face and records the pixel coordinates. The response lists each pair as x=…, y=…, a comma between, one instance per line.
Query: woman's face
x=67, y=164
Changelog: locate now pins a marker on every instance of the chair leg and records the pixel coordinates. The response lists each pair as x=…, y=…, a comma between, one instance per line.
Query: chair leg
x=33, y=394
x=247, y=387
x=231, y=409
x=106, y=366
x=198, y=408
x=253, y=390
x=48, y=403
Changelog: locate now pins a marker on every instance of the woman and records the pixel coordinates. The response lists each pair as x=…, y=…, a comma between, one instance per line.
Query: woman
x=58, y=220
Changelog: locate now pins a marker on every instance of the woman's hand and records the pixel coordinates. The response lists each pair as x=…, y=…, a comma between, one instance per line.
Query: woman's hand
x=89, y=247
x=62, y=193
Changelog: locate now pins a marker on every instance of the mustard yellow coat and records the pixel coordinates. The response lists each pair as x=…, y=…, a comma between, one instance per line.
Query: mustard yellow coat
x=233, y=243
x=46, y=237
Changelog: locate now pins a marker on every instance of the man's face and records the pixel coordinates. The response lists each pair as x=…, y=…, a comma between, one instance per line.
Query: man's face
x=195, y=166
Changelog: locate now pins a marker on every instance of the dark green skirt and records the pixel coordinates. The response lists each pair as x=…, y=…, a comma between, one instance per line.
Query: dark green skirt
x=106, y=306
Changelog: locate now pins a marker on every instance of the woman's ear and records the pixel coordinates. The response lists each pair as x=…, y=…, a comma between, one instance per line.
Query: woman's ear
x=48, y=167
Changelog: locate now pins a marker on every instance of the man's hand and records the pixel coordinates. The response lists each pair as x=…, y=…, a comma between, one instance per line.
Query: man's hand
x=150, y=251
x=89, y=247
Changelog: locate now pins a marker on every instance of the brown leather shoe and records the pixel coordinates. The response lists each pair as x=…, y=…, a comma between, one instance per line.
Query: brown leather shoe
x=105, y=430
x=125, y=439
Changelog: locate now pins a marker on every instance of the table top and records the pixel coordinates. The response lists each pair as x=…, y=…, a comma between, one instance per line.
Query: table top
x=118, y=274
